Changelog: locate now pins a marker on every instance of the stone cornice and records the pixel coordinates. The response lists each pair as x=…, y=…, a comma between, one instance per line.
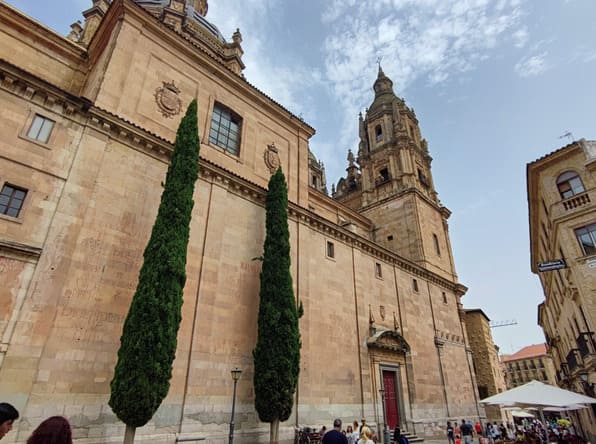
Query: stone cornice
x=19, y=251
x=15, y=19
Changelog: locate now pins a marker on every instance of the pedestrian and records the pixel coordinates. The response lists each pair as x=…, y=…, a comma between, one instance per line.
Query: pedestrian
x=54, y=430
x=478, y=429
x=335, y=436
x=450, y=433
x=398, y=437
x=366, y=435
x=8, y=415
x=466, y=431
x=356, y=432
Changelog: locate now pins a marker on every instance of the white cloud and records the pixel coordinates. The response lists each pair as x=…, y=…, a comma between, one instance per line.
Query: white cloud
x=520, y=38
x=532, y=66
x=285, y=84
x=431, y=40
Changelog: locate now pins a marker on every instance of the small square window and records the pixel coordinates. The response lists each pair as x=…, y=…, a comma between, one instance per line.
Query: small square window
x=330, y=249
x=390, y=237
x=11, y=200
x=378, y=270
x=40, y=129
x=415, y=284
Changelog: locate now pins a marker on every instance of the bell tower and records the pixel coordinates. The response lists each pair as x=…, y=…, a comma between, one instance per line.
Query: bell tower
x=392, y=183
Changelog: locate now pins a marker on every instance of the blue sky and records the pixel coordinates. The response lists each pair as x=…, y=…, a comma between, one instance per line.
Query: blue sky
x=494, y=83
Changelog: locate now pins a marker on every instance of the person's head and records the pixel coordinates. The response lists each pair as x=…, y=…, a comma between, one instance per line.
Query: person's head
x=397, y=431
x=355, y=424
x=366, y=434
x=349, y=429
x=463, y=421
x=337, y=424
x=448, y=423
x=8, y=415
x=54, y=430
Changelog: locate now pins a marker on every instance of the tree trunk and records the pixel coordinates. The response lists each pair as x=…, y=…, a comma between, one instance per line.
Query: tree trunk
x=274, y=432
x=129, y=434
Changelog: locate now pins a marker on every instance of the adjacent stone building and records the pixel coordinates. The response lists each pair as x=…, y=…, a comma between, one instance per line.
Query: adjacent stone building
x=562, y=216
x=88, y=127
x=531, y=363
x=485, y=355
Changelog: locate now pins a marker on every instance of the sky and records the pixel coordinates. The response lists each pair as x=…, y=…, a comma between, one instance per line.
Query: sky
x=495, y=84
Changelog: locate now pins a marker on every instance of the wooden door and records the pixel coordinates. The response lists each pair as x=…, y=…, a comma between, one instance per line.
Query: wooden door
x=391, y=404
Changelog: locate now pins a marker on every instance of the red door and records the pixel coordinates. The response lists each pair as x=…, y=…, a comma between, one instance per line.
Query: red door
x=391, y=409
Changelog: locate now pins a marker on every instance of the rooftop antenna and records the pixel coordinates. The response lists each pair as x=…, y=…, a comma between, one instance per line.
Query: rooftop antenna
x=567, y=134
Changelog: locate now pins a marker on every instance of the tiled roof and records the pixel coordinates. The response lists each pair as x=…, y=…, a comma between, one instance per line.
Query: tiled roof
x=531, y=351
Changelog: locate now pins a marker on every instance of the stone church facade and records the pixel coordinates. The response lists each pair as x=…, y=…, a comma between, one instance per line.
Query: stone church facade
x=88, y=127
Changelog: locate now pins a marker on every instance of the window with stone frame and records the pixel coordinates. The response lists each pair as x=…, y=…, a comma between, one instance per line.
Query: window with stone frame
x=330, y=249
x=436, y=243
x=11, y=200
x=40, y=129
x=569, y=184
x=586, y=237
x=225, y=130
x=378, y=133
x=378, y=270
x=415, y=285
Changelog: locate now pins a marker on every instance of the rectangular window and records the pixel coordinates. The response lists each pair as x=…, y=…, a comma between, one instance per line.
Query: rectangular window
x=11, y=200
x=40, y=129
x=444, y=297
x=330, y=249
x=415, y=284
x=378, y=270
x=586, y=237
x=225, y=129
x=436, y=242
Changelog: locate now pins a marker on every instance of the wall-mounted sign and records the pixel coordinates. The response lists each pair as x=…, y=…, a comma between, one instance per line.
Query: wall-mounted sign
x=555, y=264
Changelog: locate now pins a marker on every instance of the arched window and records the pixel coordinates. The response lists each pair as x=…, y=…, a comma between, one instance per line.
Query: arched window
x=569, y=184
x=379, y=133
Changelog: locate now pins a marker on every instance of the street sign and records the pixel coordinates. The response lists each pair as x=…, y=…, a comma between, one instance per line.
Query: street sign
x=555, y=264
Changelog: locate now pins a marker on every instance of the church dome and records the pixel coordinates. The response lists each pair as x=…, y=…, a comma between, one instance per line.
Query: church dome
x=195, y=10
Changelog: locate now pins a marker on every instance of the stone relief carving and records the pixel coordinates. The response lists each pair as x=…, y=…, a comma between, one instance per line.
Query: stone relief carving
x=271, y=156
x=168, y=99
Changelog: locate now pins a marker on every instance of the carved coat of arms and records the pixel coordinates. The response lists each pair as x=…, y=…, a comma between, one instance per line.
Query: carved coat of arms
x=168, y=99
x=271, y=156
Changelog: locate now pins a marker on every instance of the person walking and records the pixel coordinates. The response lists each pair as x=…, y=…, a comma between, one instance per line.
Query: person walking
x=335, y=436
x=55, y=430
x=450, y=433
x=8, y=415
x=366, y=435
x=466, y=431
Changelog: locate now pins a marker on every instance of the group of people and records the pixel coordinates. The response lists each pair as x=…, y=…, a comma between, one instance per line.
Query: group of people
x=355, y=434
x=54, y=430
x=531, y=433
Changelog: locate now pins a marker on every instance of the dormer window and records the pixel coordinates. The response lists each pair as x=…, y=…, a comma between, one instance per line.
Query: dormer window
x=569, y=184
x=379, y=133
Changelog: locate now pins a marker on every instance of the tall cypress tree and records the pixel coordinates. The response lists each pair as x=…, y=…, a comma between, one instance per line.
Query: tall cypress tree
x=148, y=343
x=277, y=353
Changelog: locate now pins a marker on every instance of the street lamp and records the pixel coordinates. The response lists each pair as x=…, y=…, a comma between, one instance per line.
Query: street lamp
x=235, y=376
x=385, y=434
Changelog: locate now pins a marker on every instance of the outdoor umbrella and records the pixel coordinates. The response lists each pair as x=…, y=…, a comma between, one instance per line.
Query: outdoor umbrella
x=539, y=395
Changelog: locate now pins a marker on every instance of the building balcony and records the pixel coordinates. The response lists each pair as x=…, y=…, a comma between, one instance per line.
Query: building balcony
x=574, y=203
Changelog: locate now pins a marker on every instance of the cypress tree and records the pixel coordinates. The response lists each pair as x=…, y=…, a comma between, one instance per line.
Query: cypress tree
x=277, y=353
x=148, y=342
